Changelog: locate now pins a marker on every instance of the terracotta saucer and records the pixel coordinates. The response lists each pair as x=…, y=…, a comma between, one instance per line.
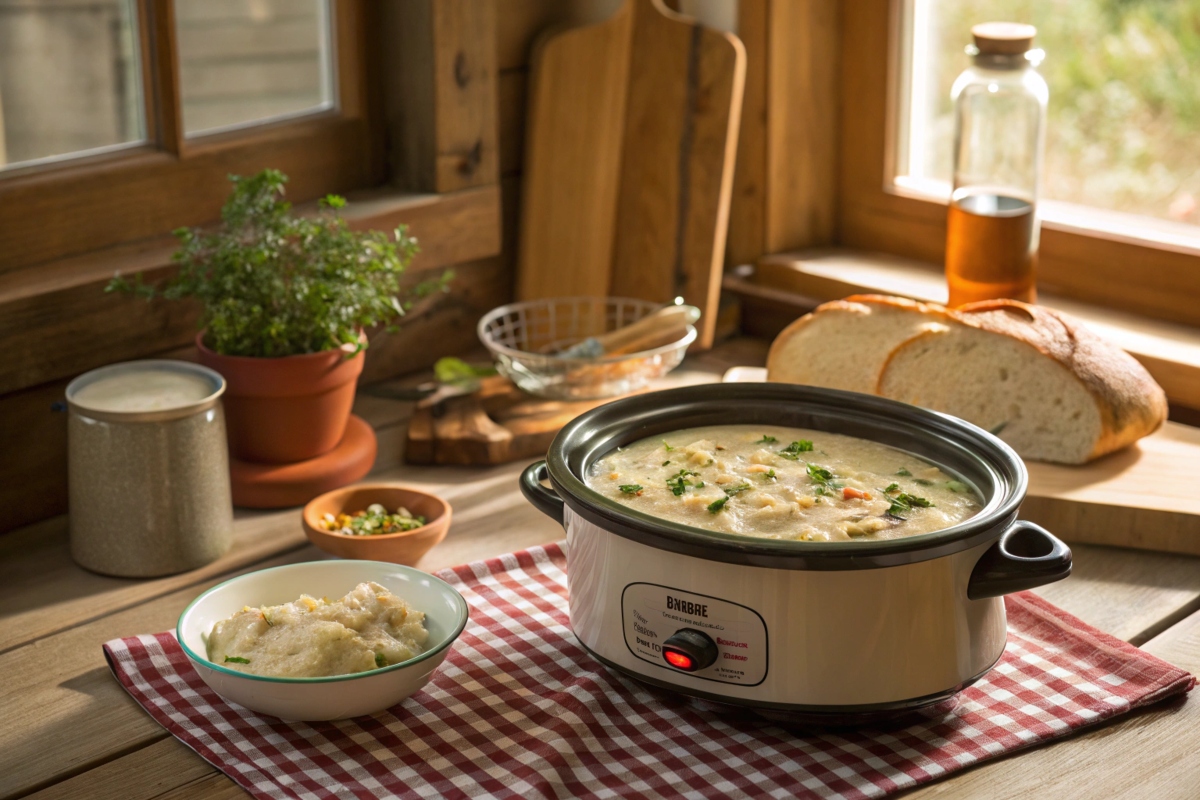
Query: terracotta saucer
x=284, y=485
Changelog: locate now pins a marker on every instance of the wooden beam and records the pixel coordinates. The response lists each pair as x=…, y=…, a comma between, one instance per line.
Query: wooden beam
x=440, y=93
x=56, y=320
x=747, y=205
x=784, y=193
x=802, y=122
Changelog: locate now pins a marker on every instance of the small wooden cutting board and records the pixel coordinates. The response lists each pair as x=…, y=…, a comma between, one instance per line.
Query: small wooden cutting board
x=495, y=425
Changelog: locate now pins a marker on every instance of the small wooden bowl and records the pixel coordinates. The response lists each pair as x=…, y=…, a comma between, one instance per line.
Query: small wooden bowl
x=405, y=547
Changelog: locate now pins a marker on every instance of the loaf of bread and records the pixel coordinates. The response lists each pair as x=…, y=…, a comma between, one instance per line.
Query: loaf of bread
x=1036, y=377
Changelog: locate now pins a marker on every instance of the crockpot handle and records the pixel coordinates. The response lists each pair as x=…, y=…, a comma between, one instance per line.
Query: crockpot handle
x=546, y=500
x=1025, y=556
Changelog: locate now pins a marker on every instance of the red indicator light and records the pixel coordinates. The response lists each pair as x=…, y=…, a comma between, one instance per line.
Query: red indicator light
x=678, y=660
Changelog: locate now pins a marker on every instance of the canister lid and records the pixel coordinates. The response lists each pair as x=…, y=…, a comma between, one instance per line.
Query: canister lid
x=154, y=389
x=1003, y=38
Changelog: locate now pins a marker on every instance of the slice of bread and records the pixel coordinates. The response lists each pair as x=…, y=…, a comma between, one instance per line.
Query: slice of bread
x=1037, y=378
x=844, y=344
x=1044, y=383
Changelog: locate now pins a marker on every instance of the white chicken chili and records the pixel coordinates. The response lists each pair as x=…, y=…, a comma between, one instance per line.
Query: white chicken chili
x=783, y=483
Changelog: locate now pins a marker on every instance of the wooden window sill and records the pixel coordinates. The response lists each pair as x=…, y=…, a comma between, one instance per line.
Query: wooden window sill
x=55, y=320
x=1170, y=351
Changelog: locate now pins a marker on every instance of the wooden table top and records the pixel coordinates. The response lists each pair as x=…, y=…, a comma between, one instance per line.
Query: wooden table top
x=70, y=731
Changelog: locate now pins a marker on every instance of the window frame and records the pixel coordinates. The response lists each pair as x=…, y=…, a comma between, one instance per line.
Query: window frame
x=76, y=205
x=1105, y=268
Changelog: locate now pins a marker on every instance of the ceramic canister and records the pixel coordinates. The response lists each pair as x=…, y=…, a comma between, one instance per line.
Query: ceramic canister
x=148, y=471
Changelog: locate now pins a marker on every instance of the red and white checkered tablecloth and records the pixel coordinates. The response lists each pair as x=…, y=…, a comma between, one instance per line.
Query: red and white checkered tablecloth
x=519, y=710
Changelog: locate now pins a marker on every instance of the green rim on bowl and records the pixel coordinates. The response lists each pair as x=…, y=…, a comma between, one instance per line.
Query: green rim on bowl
x=459, y=602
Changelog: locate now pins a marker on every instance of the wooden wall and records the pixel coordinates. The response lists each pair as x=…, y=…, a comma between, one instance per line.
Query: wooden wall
x=34, y=372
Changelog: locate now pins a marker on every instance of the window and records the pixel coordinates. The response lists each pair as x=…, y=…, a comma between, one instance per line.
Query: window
x=122, y=118
x=1130, y=246
x=250, y=61
x=1124, y=103
x=70, y=79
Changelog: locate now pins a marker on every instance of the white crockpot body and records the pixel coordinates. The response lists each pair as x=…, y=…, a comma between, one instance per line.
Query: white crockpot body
x=829, y=639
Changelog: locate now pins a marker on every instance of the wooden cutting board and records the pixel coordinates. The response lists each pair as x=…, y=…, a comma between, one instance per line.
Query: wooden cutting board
x=629, y=155
x=495, y=425
x=1146, y=496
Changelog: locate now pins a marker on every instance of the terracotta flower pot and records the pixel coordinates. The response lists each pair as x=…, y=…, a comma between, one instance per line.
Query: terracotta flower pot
x=288, y=409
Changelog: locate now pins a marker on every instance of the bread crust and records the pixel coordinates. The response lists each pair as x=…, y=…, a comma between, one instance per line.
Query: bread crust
x=1131, y=403
x=855, y=303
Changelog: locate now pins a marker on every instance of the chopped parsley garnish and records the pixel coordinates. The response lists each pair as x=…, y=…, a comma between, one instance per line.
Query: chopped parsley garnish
x=380, y=660
x=923, y=481
x=958, y=487
x=630, y=488
x=767, y=440
x=821, y=491
x=668, y=446
x=679, y=482
x=819, y=474
x=769, y=475
x=717, y=505
x=730, y=491
x=903, y=473
x=905, y=502
x=236, y=660
x=792, y=451
x=667, y=463
x=892, y=487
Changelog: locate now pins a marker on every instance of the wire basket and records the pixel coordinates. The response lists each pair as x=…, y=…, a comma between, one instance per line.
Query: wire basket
x=523, y=338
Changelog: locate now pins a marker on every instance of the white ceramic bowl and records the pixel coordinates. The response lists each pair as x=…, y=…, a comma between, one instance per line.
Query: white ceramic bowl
x=340, y=696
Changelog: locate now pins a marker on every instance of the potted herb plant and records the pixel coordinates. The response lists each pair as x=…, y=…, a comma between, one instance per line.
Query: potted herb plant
x=285, y=302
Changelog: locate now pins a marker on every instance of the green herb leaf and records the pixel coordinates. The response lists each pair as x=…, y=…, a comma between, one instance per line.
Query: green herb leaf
x=767, y=440
x=679, y=482
x=271, y=282
x=456, y=371
x=630, y=488
x=730, y=491
x=236, y=660
x=819, y=474
x=717, y=505
x=666, y=463
x=668, y=446
x=923, y=481
x=905, y=502
x=903, y=473
x=892, y=487
x=792, y=451
x=769, y=475
x=380, y=660
x=958, y=487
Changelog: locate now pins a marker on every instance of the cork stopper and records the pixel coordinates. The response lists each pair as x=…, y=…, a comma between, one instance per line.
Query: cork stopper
x=1003, y=38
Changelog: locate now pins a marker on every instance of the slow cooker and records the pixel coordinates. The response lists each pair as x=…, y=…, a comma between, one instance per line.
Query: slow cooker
x=845, y=629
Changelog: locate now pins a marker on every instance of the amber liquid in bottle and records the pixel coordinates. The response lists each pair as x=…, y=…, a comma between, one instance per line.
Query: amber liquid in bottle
x=990, y=249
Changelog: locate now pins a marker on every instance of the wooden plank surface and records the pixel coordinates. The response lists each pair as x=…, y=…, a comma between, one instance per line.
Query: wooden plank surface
x=803, y=98
x=73, y=732
x=575, y=122
x=683, y=107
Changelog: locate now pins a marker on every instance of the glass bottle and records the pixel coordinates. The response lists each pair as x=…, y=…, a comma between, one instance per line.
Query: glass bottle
x=999, y=134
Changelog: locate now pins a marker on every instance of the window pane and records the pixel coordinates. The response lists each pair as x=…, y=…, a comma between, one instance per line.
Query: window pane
x=1124, y=113
x=70, y=79
x=244, y=61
